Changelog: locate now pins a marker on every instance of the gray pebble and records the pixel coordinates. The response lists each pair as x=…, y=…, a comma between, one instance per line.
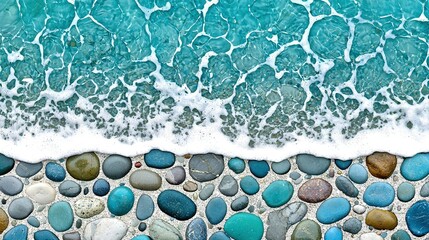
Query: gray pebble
x=352, y=225
x=240, y=203
x=281, y=167
x=207, y=191
x=33, y=221
x=424, y=191
x=27, y=170
x=346, y=186
x=69, y=188
x=196, y=230
x=142, y=226
x=176, y=175
x=145, y=180
x=145, y=207
x=72, y=236
x=280, y=221
x=116, y=166
x=251, y=208
x=10, y=185
x=190, y=186
x=206, y=167
x=79, y=223
x=312, y=165
x=20, y=208
x=228, y=186
x=294, y=175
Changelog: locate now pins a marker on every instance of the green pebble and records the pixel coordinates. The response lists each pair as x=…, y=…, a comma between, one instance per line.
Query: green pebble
x=85, y=167
x=244, y=226
x=307, y=230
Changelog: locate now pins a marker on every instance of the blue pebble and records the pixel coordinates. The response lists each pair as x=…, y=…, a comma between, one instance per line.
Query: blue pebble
x=415, y=168
x=145, y=207
x=358, y=173
x=101, y=187
x=176, y=204
x=281, y=167
x=196, y=230
x=33, y=221
x=417, y=218
x=343, y=164
x=259, y=169
x=159, y=159
x=60, y=216
x=379, y=194
x=334, y=233
x=120, y=201
x=249, y=185
x=400, y=235
x=219, y=236
x=237, y=165
x=19, y=232
x=55, y=172
x=45, y=235
x=333, y=210
x=312, y=165
x=6, y=164
x=278, y=193
x=216, y=210
x=141, y=237
x=406, y=192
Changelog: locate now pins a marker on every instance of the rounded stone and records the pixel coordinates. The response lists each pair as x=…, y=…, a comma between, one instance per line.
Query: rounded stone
x=237, y=165
x=4, y=220
x=145, y=180
x=10, y=185
x=240, y=203
x=45, y=235
x=307, y=230
x=314, y=190
x=370, y=236
x=105, y=228
x=206, y=192
x=259, y=169
x=101, y=187
x=145, y=207
x=281, y=167
x=60, y=216
x=219, y=236
x=406, y=192
x=141, y=237
x=228, y=186
x=27, y=170
x=6, y=164
x=359, y=209
x=159, y=159
x=417, y=218
x=42, y=193
x=400, y=235
x=295, y=175
x=88, y=207
x=206, y=167
x=333, y=233
x=85, y=167
x=190, y=186
x=312, y=165
x=244, y=226
x=352, y=225
x=72, y=236
x=381, y=219
x=216, y=210
x=19, y=232
x=346, y=186
x=20, y=208
x=358, y=174
x=278, y=193
x=249, y=185
x=120, y=201
x=343, y=164
x=176, y=175
x=279, y=221
x=333, y=210
x=424, y=191
x=116, y=166
x=33, y=221
x=415, y=168
x=69, y=188
x=196, y=230
x=160, y=229
x=381, y=164
x=55, y=172
x=379, y=194
x=176, y=204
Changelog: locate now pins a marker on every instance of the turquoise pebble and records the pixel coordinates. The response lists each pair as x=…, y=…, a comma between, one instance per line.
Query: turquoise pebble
x=417, y=218
x=6, y=164
x=19, y=232
x=259, y=169
x=141, y=237
x=33, y=221
x=145, y=207
x=281, y=167
x=244, y=226
x=312, y=165
x=45, y=235
x=196, y=230
x=278, y=193
x=249, y=185
x=400, y=235
x=60, y=216
x=219, y=236
x=101, y=187
x=415, y=168
x=159, y=159
x=379, y=194
x=120, y=201
x=216, y=210
x=343, y=164
x=237, y=165
x=55, y=172
x=358, y=173
x=176, y=204
x=406, y=192
x=334, y=233
x=333, y=210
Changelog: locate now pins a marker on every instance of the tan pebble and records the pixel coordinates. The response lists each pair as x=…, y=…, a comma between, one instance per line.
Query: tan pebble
x=381, y=219
x=190, y=186
x=38, y=176
x=145, y=180
x=42, y=193
x=381, y=165
x=4, y=220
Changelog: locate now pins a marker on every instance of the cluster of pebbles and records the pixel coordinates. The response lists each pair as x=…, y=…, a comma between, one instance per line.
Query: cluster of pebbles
x=161, y=196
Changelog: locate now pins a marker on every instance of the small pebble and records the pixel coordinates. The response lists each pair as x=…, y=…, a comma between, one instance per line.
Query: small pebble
x=294, y=175
x=237, y=165
x=101, y=187
x=312, y=165
x=190, y=186
x=370, y=236
x=79, y=223
x=116, y=166
x=228, y=186
x=249, y=185
x=207, y=191
x=196, y=230
x=333, y=233
x=216, y=210
x=307, y=230
x=424, y=191
x=45, y=235
x=415, y=168
x=219, y=236
x=352, y=225
x=240, y=203
x=176, y=175
x=72, y=236
x=346, y=186
x=142, y=227
x=406, y=192
x=159, y=159
x=6, y=164
x=27, y=170
x=400, y=235
x=417, y=218
x=69, y=188
x=55, y=172
x=145, y=207
x=105, y=228
x=42, y=193
x=259, y=169
x=358, y=174
x=19, y=232
x=359, y=209
x=343, y=164
x=33, y=221
x=281, y=167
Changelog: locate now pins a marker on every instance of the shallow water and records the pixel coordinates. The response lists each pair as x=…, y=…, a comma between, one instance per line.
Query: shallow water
x=258, y=79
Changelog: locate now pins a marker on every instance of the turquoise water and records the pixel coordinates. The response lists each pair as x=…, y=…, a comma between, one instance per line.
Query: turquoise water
x=250, y=72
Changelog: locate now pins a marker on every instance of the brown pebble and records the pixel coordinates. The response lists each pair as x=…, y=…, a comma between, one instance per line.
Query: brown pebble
x=190, y=186
x=138, y=164
x=187, y=156
x=4, y=220
x=314, y=190
x=381, y=219
x=381, y=165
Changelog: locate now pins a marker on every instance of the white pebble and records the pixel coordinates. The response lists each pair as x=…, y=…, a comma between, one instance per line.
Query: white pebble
x=42, y=193
x=105, y=228
x=88, y=207
x=359, y=209
x=370, y=236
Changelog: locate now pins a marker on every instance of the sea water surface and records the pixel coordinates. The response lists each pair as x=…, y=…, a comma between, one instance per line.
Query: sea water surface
x=258, y=79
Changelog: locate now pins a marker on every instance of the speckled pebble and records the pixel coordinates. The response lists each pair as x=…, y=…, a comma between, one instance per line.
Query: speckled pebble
x=307, y=230
x=101, y=187
x=190, y=186
x=249, y=185
x=88, y=207
x=145, y=207
x=314, y=190
x=55, y=172
x=42, y=193
x=196, y=230
x=176, y=175
x=216, y=210
x=144, y=179
x=228, y=186
x=312, y=165
x=207, y=191
x=346, y=186
x=240, y=203
x=352, y=225
x=20, y=208
x=406, y=192
x=69, y=188
x=116, y=166
x=358, y=174
x=10, y=185
x=105, y=228
x=27, y=170
x=281, y=167
x=237, y=165
x=159, y=159
x=160, y=229
x=259, y=169
x=279, y=221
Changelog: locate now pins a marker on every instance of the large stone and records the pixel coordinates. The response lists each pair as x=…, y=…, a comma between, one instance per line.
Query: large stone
x=105, y=228
x=280, y=221
x=85, y=167
x=206, y=167
x=42, y=193
x=314, y=190
x=160, y=229
x=381, y=219
x=381, y=165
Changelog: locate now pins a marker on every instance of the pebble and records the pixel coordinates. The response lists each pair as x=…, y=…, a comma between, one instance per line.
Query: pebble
x=294, y=175
x=116, y=166
x=216, y=210
x=27, y=170
x=79, y=223
x=176, y=175
x=219, y=236
x=406, y=192
x=243, y=225
x=240, y=203
x=415, y=168
x=315, y=190
x=145, y=207
x=45, y=235
x=85, y=167
x=237, y=165
x=72, y=236
x=400, y=235
x=228, y=186
x=417, y=218
x=424, y=191
x=346, y=186
x=352, y=225
x=4, y=220
x=196, y=230
x=370, y=236
x=358, y=174
x=159, y=159
x=55, y=172
x=160, y=229
x=20, y=208
x=381, y=165
x=333, y=233
x=141, y=237
x=312, y=165
x=190, y=186
x=19, y=232
x=379, y=194
x=176, y=204
x=101, y=187
x=144, y=179
x=60, y=216
x=120, y=201
x=88, y=207
x=259, y=169
x=381, y=219
x=333, y=210
x=281, y=167
x=105, y=228
x=249, y=185
x=278, y=193
x=33, y=221
x=6, y=164
x=206, y=167
x=307, y=230
x=359, y=209
x=343, y=164
x=10, y=185
x=69, y=188
x=279, y=221
x=142, y=226
x=207, y=191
